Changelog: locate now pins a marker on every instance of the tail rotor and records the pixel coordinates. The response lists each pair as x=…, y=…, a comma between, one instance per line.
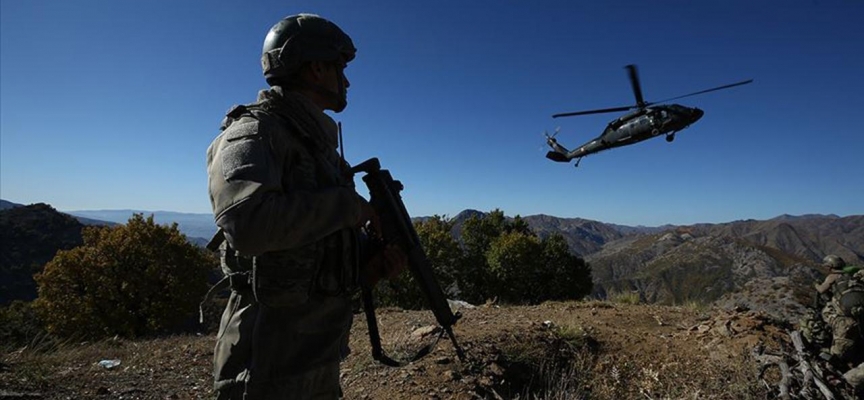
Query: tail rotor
x=550, y=139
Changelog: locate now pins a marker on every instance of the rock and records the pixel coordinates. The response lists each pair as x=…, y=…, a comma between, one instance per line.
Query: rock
x=452, y=375
x=425, y=331
x=443, y=360
x=495, y=369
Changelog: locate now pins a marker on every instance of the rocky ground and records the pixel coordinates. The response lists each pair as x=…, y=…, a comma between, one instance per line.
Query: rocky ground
x=569, y=350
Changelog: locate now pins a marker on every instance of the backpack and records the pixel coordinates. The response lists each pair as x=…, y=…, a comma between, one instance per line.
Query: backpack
x=849, y=292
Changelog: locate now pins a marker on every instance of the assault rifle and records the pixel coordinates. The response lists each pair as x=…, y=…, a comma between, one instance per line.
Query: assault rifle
x=397, y=229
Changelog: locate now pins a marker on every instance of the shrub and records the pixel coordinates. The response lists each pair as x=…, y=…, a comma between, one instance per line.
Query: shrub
x=19, y=324
x=516, y=267
x=134, y=279
x=498, y=258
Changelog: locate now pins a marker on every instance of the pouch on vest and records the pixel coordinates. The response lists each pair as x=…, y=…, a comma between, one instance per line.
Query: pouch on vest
x=284, y=278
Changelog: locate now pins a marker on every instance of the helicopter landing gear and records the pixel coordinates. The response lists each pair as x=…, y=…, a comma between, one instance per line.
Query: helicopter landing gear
x=670, y=137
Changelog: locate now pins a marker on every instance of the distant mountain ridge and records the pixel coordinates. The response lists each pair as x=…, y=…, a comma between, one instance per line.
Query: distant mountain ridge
x=194, y=225
x=767, y=265
x=763, y=264
x=810, y=236
x=5, y=205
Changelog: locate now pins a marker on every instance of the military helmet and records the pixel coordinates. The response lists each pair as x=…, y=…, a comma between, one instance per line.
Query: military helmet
x=301, y=38
x=835, y=262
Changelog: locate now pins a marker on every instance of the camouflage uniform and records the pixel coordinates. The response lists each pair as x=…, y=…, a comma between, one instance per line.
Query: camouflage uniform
x=855, y=378
x=287, y=206
x=844, y=313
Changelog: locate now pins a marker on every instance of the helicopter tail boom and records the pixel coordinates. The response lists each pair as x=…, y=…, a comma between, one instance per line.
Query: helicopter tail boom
x=557, y=156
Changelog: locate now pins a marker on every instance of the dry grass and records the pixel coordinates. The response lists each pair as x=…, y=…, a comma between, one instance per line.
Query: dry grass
x=555, y=351
x=629, y=297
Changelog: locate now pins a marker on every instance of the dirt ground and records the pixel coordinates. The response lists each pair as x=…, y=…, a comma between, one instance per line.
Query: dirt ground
x=571, y=350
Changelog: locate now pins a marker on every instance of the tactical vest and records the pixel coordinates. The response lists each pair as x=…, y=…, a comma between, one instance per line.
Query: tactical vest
x=328, y=267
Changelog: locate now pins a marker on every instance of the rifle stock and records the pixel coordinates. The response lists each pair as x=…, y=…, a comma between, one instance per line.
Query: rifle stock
x=397, y=228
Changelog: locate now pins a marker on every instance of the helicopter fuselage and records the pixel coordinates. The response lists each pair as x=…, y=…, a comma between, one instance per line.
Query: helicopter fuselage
x=634, y=127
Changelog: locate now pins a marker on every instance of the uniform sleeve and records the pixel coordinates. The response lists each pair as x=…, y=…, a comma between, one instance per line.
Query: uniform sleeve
x=826, y=284
x=249, y=204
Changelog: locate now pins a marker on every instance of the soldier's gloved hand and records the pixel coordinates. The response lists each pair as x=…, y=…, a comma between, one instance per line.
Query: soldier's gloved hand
x=386, y=264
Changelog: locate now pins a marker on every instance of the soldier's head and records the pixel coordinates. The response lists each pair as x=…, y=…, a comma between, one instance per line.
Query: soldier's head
x=307, y=52
x=833, y=262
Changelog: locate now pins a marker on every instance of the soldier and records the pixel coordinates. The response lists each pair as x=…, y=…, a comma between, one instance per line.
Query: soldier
x=285, y=203
x=843, y=312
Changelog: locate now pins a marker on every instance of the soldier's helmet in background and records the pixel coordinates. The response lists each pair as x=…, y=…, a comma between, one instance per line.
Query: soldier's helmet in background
x=834, y=262
x=302, y=38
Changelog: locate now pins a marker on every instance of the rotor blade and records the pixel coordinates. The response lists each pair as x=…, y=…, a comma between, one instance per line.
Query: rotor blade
x=634, y=81
x=704, y=91
x=600, y=111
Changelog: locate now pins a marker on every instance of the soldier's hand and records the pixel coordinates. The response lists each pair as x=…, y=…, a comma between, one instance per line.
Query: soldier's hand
x=367, y=214
x=386, y=264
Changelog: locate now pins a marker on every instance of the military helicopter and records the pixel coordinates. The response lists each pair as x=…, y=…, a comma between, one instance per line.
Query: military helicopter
x=647, y=120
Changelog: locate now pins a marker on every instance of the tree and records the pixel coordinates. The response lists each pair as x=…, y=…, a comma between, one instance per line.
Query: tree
x=569, y=276
x=506, y=259
x=477, y=235
x=515, y=265
x=445, y=257
x=498, y=258
x=441, y=249
x=134, y=279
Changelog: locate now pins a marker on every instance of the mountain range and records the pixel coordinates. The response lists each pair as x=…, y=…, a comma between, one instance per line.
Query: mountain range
x=764, y=264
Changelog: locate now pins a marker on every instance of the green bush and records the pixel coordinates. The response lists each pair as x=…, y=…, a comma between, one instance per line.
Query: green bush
x=130, y=280
x=497, y=258
x=515, y=266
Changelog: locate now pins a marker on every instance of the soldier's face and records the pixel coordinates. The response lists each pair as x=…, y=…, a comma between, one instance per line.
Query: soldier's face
x=336, y=82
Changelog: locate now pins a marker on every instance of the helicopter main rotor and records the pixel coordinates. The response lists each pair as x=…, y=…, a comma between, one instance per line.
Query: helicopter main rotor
x=637, y=93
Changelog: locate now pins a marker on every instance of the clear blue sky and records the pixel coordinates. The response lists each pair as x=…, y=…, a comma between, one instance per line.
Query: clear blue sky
x=112, y=104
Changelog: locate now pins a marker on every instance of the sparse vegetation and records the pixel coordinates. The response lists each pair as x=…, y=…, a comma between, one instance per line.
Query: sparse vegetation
x=628, y=297
x=19, y=325
x=615, y=349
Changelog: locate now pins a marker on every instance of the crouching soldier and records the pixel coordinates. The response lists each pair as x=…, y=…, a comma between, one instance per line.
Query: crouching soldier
x=844, y=311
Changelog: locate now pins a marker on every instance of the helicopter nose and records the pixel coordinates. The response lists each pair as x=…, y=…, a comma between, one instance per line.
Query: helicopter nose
x=697, y=114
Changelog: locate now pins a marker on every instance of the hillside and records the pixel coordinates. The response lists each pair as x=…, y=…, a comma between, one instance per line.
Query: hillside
x=719, y=294
x=762, y=265
x=808, y=236
x=678, y=268
x=31, y=236
x=570, y=350
x=736, y=263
